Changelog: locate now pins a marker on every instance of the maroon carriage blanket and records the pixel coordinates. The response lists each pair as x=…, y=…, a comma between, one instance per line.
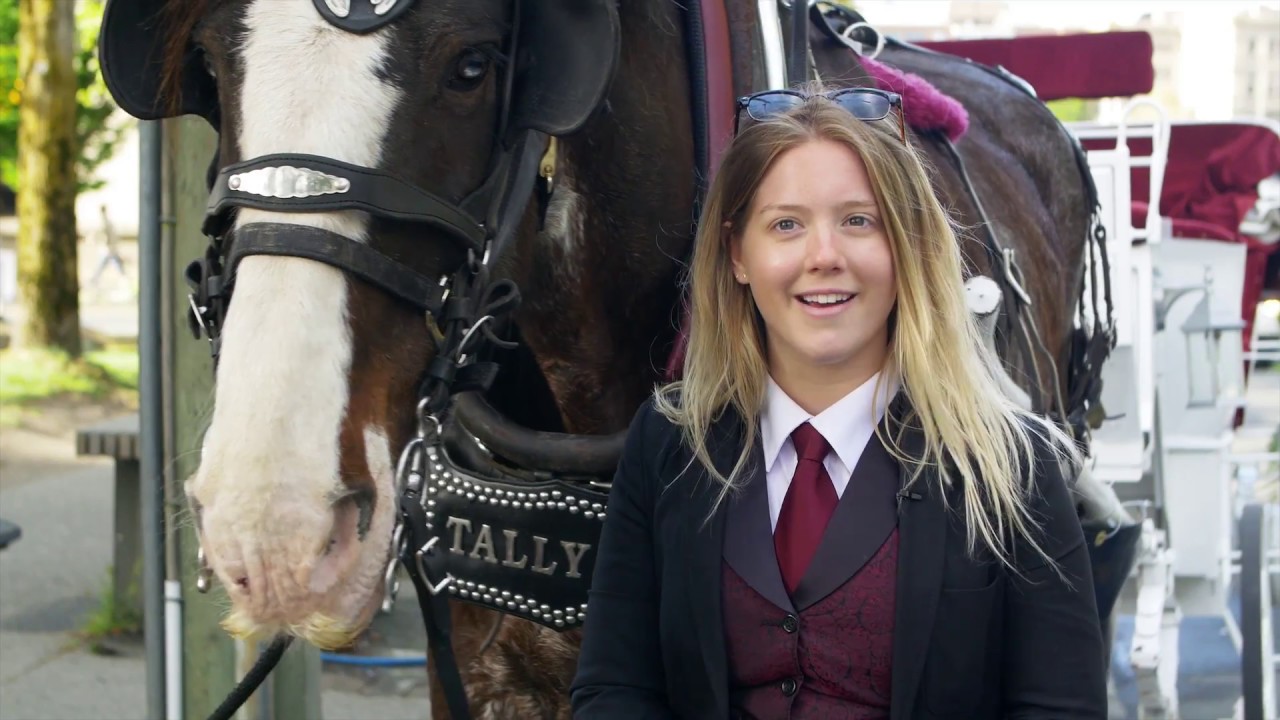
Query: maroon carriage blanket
x=1086, y=65
x=1210, y=183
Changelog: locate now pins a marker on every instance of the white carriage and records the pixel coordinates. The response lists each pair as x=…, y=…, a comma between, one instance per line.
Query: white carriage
x=1167, y=460
x=1173, y=393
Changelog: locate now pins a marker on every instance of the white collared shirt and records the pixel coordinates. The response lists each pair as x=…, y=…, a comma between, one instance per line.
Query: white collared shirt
x=847, y=425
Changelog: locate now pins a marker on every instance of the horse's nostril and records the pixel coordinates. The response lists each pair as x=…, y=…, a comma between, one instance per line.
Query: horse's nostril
x=361, y=502
x=243, y=582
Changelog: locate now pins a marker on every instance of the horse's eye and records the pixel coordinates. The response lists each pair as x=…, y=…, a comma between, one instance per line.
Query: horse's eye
x=469, y=69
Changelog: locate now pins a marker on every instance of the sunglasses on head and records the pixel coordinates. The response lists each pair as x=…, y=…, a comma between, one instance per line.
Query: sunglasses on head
x=863, y=103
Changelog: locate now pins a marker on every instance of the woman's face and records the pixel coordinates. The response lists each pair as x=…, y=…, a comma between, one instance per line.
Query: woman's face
x=816, y=256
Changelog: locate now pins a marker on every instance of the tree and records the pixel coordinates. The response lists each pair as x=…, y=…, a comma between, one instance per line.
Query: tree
x=47, y=152
x=99, y=128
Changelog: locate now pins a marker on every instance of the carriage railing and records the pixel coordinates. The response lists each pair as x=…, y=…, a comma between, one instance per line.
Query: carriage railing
x=1100, y=136
x=1178, y=304
x=1123, y=446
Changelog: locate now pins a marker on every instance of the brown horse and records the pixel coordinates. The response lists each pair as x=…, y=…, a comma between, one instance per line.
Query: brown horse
x=295, y=495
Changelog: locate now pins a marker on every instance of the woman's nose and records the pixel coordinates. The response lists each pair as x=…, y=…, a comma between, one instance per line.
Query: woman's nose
x=822, y=252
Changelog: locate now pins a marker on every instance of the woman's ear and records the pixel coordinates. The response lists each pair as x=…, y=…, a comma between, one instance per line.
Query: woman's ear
x=735, y=253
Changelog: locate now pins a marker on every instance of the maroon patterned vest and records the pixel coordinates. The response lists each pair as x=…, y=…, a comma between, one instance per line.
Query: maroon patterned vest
x=825, y=650
x=832, y=660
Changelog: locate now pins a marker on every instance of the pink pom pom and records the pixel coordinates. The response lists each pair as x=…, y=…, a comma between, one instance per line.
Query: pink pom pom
x=925, y=106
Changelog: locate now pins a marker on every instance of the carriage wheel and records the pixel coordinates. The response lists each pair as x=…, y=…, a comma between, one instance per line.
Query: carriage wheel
x=1255, y=658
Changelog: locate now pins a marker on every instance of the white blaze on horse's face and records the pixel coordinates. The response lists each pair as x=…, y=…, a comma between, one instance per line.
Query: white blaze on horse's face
x=269, y=478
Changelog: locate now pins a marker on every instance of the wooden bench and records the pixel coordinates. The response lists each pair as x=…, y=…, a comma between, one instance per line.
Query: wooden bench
x=117, y=438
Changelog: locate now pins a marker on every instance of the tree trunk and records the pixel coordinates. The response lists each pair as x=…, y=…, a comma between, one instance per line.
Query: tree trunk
x=47, y=269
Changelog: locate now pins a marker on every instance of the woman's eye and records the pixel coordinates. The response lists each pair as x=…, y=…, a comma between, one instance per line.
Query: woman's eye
x=785, y=225
x=469, y=69
x=859, y=221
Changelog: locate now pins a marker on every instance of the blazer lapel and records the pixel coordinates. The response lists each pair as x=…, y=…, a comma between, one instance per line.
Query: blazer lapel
x=922, y=537
x=748, y=537
x=704, y=541
x=863, y=520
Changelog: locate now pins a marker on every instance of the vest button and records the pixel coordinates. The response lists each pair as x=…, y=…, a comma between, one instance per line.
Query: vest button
x=789, y=687
x=790, y=624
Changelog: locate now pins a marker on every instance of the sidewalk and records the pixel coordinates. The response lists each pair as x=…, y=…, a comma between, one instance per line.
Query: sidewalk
x=51, y=579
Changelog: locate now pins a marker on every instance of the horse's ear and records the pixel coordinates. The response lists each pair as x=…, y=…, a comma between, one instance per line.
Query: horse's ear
x=566, y=54
x=131, y=48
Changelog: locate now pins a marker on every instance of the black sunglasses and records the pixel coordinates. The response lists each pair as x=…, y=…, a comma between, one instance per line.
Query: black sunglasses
x=863, y=103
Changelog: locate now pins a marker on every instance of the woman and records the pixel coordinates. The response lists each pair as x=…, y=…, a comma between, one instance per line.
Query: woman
x=836, y=513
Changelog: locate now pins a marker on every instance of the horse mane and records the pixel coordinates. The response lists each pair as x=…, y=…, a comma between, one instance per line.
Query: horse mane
x=177, y=21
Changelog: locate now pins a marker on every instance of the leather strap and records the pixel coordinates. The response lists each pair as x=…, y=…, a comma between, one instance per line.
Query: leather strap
x=798, y=52
x=343, y=253
x=433, y=601
x=373, y=191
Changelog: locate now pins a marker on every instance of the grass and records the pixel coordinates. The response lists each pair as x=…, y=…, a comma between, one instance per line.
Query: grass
x=33, y=374
x=110, y=620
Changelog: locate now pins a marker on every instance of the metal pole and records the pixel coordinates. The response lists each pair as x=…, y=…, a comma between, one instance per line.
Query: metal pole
x=173, y=615
x=149, y=394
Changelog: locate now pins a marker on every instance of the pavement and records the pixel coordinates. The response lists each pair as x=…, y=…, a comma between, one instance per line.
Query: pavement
x=51, y=581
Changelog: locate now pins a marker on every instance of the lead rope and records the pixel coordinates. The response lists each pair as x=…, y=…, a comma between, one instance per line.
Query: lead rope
x=253, y=679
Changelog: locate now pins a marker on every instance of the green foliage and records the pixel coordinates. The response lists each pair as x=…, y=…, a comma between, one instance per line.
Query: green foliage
x=110, y=619
x=97, y=132
x=1073, y=109
x=10, y=93
x=33, y=374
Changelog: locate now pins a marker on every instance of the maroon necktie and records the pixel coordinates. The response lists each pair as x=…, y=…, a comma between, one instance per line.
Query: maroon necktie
x=808, y=505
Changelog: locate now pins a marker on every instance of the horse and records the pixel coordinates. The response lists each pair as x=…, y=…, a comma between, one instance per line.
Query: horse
x=393, y=105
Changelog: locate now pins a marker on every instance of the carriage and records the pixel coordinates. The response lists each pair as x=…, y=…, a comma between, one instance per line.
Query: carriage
x=1190, y=246
x=501, y=467
x=1181, y=376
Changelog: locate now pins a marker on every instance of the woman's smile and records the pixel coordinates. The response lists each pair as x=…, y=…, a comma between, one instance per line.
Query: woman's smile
x=825, y=303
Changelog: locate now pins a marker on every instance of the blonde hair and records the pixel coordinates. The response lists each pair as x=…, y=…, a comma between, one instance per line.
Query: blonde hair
x=972, y=432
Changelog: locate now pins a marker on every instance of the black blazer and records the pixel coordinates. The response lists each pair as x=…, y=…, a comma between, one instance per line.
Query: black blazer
x=972, y=640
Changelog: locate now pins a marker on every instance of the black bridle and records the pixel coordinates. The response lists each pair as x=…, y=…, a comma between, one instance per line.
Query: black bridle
x=464, y=305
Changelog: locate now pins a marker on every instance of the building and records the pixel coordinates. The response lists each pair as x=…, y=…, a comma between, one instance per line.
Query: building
x=1257, y=64
x=1165, y=30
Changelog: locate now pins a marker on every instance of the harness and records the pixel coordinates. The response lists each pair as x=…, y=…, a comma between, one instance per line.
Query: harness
x=1089, y=349
x=456, y=534
x=563, y=56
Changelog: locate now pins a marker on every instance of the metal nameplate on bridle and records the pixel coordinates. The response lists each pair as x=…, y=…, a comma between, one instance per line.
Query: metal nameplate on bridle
x=523, y=548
